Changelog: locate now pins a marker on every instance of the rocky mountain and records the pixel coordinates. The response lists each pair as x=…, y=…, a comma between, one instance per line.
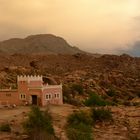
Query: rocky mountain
x=99, y=74
x=38, y=44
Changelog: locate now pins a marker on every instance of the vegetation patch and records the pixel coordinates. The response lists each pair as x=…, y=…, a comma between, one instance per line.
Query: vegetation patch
x=111, y=92
x=101, y=114
x=5, y=128
x=39, y=125
x=79, y=126
x=69, y=93
x=95, y=100
x=77, y=88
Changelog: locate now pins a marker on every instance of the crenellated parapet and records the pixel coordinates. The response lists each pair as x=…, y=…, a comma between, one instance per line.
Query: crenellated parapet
x=29, y=78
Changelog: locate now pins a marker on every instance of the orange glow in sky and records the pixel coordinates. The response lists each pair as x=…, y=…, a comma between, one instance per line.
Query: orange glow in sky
x=92, y=25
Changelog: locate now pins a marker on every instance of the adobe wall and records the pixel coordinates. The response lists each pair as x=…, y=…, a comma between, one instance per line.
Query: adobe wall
x=9, y=97
x=28, y=85
x=32, y=85
x=52, y=91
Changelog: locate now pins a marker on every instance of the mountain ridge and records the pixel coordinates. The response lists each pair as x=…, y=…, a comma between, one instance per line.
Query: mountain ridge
x=41, y=43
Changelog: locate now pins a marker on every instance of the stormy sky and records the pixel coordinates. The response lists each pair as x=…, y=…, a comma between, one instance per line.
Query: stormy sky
x=102, y=26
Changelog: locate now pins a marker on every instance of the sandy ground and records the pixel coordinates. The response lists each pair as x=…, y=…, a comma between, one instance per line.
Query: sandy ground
x=17, y=115
x=126, y=119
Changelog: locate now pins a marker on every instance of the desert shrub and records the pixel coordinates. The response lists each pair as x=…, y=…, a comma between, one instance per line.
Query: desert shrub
x=77, y=88
x=74, y=102
x=68, y=96
x=39, y=124
x=5, y=128
x=94, y=100
x=111, y=93
x=79, y=117
x=79, y=126
x=66, y=93
x=101, y=114
x=73, y=89
x=79, y=132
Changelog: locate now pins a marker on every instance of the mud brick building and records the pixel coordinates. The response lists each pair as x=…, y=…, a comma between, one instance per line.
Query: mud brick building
x=32, y=90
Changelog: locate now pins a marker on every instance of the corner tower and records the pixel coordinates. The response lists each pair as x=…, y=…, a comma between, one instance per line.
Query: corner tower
x=29, y=88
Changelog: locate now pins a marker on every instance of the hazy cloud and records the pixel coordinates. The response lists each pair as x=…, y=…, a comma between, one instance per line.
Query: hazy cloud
x=133, y=50
x=93, y=25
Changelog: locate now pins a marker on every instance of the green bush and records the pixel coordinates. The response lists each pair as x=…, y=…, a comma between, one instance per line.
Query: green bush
x=5, y=128
x=69, y=96
x=80, y=131
x=79, y=126
x=95, y=100
x=101, y=114
x=79, y=117
x=111, y=93
x=77, y=88
x=75, y=102
x=38, y=124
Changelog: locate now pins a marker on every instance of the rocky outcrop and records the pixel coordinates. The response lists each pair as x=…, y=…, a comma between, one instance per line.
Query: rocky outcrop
x=99, y=74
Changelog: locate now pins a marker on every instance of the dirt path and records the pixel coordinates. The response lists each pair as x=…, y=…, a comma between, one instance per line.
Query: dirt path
x=17, y=115
x=6, y=114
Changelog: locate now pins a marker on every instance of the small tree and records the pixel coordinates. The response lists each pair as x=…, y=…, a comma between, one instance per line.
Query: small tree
x=77, y=88
x=39, y=124
x=79, y=126
x=69, y=96
x=101, y=114
x=95, y=100
x=79, y=132
x=79, y=117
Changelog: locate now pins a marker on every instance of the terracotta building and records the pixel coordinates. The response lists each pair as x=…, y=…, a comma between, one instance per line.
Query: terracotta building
x=32, y=90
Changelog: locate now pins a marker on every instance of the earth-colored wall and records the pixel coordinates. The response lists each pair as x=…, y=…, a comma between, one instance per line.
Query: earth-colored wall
x=52, y=91
x=9, y=97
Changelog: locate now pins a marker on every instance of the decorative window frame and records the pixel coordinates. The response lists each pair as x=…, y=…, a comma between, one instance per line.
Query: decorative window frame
x=57, y=95
x=48, y=96
x=22, y=96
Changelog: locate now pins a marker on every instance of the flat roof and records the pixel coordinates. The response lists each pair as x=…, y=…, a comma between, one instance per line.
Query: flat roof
x=8, y=90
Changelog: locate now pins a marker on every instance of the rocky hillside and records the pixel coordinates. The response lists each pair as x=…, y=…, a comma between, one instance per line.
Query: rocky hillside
x=102, y=75
x=44, y=43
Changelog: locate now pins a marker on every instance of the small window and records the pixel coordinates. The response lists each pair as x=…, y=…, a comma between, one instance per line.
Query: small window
x=22, y=96
x=57, y=95
x=48, y=96
x=8, y=94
